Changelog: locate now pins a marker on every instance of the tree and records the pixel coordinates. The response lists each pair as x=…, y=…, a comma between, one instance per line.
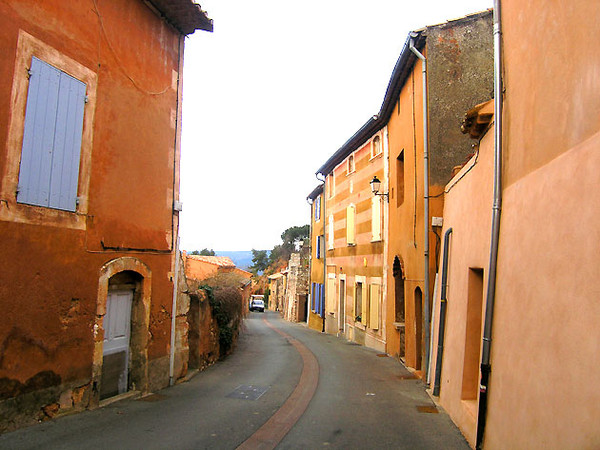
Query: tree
x=204, y=252
x=290, y=238
x=260, y=261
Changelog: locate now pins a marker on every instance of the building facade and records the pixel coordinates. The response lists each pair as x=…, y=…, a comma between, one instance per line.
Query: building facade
x=458, y=58
x=317, y=256
x=89, y=199
x=354, y=240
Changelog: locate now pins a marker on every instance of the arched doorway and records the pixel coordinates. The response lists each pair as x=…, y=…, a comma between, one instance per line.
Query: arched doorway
x=399, y=305
x=418, y=327
x=121, y=328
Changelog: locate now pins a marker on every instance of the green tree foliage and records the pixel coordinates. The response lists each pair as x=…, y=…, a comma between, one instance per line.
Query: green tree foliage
x=204, y=252
x=289, y=237
x=260, y=261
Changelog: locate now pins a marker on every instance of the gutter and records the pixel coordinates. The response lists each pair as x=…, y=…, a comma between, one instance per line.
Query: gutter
x=486, y=368
x=400, y=74
x=426, y=294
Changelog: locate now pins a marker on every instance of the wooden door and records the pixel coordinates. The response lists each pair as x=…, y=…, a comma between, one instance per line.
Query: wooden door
x=117, y=330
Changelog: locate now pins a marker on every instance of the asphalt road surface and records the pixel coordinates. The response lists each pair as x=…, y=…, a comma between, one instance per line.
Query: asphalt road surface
x=262, y=397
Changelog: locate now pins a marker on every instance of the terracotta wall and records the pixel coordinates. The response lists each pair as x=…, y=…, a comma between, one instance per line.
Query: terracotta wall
x=52, y=261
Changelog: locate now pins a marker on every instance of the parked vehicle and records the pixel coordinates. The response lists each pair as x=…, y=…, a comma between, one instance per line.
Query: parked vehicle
x=257, y=304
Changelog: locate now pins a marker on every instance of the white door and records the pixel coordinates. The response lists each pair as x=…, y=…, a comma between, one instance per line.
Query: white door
x=115, y=361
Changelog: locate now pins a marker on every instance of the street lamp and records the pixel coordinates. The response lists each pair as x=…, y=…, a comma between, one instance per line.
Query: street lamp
x=375, y=186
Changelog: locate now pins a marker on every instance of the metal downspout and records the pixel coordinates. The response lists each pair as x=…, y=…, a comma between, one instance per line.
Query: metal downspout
x=324, y=251
x=443, y=304
x=426, y=311
x=497, y=208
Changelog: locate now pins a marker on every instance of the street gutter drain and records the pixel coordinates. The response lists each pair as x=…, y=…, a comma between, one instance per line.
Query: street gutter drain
x=427, y=409
x=248, y=392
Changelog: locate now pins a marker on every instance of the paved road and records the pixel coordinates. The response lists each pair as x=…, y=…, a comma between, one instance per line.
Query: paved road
x=362, y=400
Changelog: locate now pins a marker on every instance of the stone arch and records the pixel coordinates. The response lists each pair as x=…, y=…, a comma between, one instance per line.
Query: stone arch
x=141, y=278
x=399, y=303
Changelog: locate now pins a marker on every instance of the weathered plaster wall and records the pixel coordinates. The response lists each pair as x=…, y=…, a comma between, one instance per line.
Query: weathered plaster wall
x=460, y=60
x=460, y=74
x=51, y=268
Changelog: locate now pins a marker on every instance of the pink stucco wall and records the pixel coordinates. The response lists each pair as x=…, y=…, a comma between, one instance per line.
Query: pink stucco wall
x=468, y=211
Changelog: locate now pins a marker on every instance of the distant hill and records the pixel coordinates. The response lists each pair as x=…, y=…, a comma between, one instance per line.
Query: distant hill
x=242, y=258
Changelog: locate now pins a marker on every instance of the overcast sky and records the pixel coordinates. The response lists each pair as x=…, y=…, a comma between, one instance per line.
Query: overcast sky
x=271, y=95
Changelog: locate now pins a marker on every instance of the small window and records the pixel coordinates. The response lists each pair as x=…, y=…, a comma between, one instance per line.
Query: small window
x=350, y=164
x=319, y=246
x=317, y=208
x=375, y=146
x=52, y=136
x=400, y=179
x=350, y=225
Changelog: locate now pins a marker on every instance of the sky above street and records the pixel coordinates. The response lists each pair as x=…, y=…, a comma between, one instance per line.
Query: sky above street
x=271, y=95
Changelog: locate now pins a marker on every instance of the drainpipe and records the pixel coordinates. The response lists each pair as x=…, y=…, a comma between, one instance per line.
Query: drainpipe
x=425, y=207
x=496, y=212
x=324, y=250
x=443, y=303
x=174, y=316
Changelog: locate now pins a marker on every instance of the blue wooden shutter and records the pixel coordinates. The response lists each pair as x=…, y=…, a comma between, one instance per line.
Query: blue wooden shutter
x=49, y=171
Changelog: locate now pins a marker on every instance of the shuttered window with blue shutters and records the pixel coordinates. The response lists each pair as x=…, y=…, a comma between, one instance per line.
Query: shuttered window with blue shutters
x=49, y=170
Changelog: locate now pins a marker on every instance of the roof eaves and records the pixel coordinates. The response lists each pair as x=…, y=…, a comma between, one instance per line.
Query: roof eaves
x=315, y=192
x=400, y=74
x=185, y=15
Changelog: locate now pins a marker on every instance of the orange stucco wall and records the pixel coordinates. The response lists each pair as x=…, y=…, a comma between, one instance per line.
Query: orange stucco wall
x=51, y=261
x=545, y=350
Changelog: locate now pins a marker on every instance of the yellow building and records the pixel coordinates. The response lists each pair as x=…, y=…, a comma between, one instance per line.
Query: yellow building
x=354, y=238
x=317, y=256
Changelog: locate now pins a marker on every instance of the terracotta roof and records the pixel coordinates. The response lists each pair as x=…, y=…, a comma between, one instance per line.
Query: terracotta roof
x=185, y=15
x=221, y=261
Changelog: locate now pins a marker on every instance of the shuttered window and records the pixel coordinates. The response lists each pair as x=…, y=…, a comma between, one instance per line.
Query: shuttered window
x=374, y=306
x=350, y=220
x=330, y=232
x=376, y=218
x=49, y=170
x=330, y=295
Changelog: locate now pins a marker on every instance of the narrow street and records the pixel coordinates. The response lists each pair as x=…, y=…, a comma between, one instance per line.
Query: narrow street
x=362, y=400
